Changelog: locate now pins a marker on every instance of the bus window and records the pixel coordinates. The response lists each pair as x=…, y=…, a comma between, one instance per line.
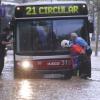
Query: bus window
x=63, y=28
x=46, y=35
x=35, y=36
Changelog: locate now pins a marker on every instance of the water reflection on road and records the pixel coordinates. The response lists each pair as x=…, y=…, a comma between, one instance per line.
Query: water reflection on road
x=25, y=90
x=49, y=89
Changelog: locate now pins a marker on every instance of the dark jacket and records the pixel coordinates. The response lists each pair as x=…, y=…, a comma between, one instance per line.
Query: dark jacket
x=3, y=37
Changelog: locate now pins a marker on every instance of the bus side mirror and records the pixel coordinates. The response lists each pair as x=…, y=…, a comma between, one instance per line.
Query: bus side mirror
x=91, y=27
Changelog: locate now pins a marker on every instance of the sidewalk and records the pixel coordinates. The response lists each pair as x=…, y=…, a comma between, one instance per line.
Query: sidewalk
x=93, y=45
x=95, y=61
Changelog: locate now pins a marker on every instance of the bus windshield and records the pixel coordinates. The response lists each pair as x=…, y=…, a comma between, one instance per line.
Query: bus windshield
x=35, y=36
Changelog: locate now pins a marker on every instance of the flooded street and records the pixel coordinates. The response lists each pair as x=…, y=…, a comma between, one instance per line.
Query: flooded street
x=46, y=89
x=43, y=36
x=49, y=89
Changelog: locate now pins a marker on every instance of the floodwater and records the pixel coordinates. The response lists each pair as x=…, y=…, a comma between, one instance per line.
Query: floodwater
x=49, y=89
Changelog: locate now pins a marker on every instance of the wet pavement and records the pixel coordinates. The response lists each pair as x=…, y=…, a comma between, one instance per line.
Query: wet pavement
x=49, y=89
x=95, y=60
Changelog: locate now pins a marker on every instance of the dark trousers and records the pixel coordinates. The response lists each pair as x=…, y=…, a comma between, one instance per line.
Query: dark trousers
x=2, y=55
x=84, y=65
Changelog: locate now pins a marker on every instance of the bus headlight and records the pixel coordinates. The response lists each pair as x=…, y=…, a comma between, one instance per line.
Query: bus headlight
x=26, y=64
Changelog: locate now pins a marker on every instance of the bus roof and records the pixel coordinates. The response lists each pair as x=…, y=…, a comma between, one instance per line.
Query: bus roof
x=51, y=2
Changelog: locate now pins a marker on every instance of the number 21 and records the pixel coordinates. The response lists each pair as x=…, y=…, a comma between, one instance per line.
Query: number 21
x=30, y=11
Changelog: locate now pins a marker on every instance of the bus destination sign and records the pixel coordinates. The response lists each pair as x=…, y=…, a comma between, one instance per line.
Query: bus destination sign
x=50, y=10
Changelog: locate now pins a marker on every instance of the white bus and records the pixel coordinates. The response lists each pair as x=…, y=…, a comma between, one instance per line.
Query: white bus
x=39, y=28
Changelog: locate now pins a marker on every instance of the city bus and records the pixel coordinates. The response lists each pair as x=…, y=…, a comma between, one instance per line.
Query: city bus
x=39, y=28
